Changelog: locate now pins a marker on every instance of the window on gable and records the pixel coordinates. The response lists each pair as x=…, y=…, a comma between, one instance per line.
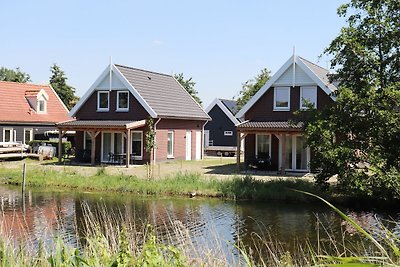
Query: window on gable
x=282, y=98
x=103, y=101
x=228, y=133
x=41, y=106
x=122, y=101
x=308, y=95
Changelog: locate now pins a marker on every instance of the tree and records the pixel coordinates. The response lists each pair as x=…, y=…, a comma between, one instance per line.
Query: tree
x=59, y=83
x=188, y=84
x=16, y=75
x=357, y=138
x=251, y=87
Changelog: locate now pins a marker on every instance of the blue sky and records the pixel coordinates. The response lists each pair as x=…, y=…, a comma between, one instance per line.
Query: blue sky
x=221, y=44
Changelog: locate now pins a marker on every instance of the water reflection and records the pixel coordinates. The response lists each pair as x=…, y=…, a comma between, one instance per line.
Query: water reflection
x=209, y=223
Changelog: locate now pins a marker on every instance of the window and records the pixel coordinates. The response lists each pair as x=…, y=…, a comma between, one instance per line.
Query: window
x=41, y=102
x=28, y=135
x=228, y=133
x=308, y=95
x=170, y=145
x=87, y=143
x=263, y=145
x=103, y=101
x=137, y=148
x=282, y=98
x=8, y=134
x=122, y=101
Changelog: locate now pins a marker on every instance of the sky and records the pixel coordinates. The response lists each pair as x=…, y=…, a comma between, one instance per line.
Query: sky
x=220, y=44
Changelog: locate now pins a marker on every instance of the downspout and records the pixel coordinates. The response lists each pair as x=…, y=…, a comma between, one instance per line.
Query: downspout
x=155, y=140
x=202, y=138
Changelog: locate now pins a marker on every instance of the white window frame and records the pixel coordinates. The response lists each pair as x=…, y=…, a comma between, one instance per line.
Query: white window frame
x=270, y=141
x=44, y=111
x=275, y=95
x=228, y=133
x=30, y=134
x=141, y=147
x=99, y=109
x=122, y=109
x=301, y=96
x=12, y=139
x=171, y=156
x=294, y=155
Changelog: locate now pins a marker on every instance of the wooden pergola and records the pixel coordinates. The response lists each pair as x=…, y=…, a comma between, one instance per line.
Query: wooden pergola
x=278, y=128
x=94, y=128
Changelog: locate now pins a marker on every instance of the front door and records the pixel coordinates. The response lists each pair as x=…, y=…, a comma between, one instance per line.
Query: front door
x=188, y=145
x=198, y=145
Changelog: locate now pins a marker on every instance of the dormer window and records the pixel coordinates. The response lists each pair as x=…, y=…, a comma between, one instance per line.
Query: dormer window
x=308, y=95
x=37, y=100
x=122, y=101
x=41, y=106
x=103, y=101
x=282, y=99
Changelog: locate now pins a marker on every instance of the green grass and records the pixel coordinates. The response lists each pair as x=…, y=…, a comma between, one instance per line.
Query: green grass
x=181, y=183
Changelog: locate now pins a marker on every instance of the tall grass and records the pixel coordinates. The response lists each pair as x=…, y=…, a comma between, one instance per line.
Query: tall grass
x=110, y=238
x=181, y=183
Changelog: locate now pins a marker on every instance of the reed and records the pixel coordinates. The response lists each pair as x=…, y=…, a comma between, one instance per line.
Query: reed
x=112, y=238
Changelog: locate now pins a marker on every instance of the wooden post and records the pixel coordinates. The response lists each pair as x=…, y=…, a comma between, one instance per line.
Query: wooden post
x=283, y=161
x=93, y=135
x=128, y=148
x=60, y=136
x=238, y=151
x=23, y=178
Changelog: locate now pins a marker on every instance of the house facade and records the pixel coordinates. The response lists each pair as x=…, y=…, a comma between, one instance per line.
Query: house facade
x=111, y=119
x=266, y=126
x=29, y=111
x=220, y=133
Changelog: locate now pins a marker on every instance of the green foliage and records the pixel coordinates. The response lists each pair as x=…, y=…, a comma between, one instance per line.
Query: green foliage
x=357, y=138
x=181, y=183
x=387, y=254
x=188, y=84
x=251, y=87
x=16, y=75
x=58, y=81
x=150, y=136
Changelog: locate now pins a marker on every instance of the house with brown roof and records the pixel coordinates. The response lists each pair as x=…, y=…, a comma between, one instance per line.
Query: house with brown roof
x=27, y=111
x=111, y=118
x=266, y=126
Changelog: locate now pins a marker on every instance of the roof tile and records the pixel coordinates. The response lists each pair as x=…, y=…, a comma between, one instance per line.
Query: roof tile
x=14, y=107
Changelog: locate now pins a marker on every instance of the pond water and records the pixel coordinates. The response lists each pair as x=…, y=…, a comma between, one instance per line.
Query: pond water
x=40, y=215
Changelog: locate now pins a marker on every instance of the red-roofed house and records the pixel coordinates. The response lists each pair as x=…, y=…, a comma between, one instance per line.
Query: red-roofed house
x=27, y=111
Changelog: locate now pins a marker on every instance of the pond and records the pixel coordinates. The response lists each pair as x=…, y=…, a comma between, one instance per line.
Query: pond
x=211, y=223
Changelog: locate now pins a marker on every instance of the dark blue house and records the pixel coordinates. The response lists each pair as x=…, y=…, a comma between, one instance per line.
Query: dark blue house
x=220, y=133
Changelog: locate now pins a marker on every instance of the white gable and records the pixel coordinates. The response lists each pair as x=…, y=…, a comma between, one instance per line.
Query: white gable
x=300, y=78
x=284, y=76
x=116, y=83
